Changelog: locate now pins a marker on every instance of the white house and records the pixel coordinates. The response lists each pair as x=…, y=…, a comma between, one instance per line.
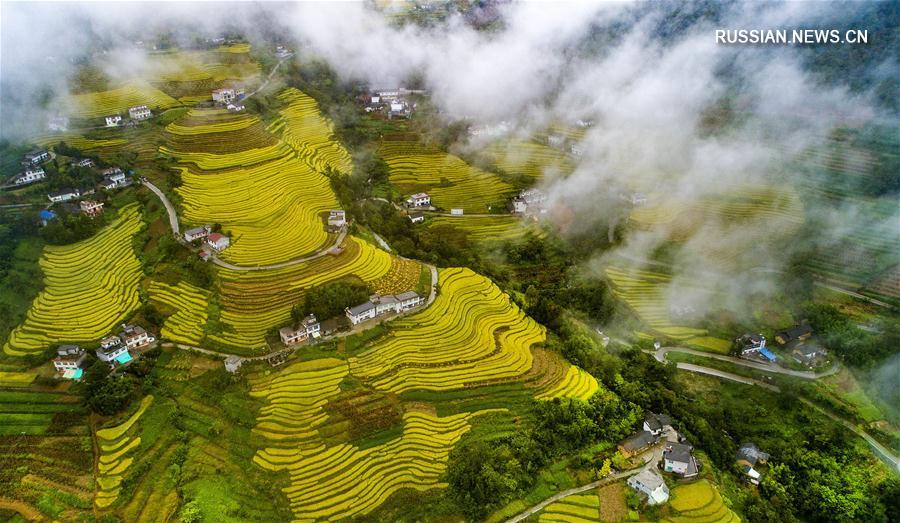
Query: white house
x=196, y=233
x=519, y=205
x=30, y=176
x=749, y=343
x=650, y=483
x=312, y=326
x=85, y=162
x=456, y=212
x=224, y=96
x=385, y=304
x=113, y=121
x=139, y=112
x=235, y=108
x=416, y=217
x=679, y=458
x=90, y=207
x=109, y=354
x=69, y=357
x=64, y=195
x=308, y=328
x=656, y=423
x=218, y=241
x=337, y=219
x=409, y=299
x=419, y=199
x=360, y=313
x=37, y=156
x=292, y=336
x=110, y=342
x=134, y=336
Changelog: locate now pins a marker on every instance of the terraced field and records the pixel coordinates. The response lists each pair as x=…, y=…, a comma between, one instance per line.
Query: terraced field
x=699, y=502
x=530, y=160
x=476, y=335
x=330, y=482
x=451, y=182
x=403, y=276
x=89, y=287
x=45, y=455
x=645, y=293
x=189, y=303
x=254, y=302
x=779, y=206
x=116, y=443
x=581, y=508
x=487, y=228
x=117, y=101
x=267, y=201
x=32, y=413
x=303, y=126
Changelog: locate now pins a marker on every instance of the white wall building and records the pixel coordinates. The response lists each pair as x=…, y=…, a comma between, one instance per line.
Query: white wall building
x=651, y=484
x=113, y=121
x=419, y=199
x=64, y=195
x=134, y=336
x=218, y=241
x=139, y=112
x=30, y=176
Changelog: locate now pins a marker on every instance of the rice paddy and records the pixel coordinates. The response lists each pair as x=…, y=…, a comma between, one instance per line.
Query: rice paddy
x=451, y=182
x=255, y=301
x=530, y=160
x=116, y=444
x=579, y=508
x=645, y=292
x=699, y=501
x=267, y=201
x=476, y=335
x=487, y=228
x=89, y=287
x=303, y=126
x=117, y=101
x=189, y=303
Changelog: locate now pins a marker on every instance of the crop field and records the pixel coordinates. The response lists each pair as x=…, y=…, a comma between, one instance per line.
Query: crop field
x=779, y=206
x=255, y=301
x=487, y=228
x=477, y=335
x=78, y=141
x=451, y=182
x=27, y=412
x=699, y=501
x=189, y=303
x=89, y=287
x=45, y=455
x=580, y=508
x=116, y=443
x=267, y=201
x=190, y=75
x=117, y=101
x=645, y=293
x=402, y=276
x=303, y=126
x=16, y=379
x=343, y=481
x=529, y=160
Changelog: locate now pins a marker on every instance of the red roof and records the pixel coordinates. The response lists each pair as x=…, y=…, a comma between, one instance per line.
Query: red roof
x=214, y=237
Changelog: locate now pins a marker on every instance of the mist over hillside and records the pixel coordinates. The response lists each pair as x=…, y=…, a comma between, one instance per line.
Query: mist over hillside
x=669, y=114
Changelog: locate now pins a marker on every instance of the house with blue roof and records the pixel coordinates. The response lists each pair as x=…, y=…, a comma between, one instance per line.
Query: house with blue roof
x=46, y=215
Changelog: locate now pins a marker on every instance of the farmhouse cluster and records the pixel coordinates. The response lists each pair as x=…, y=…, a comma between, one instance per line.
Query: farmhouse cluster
x=136, y=114
x=796, y=340
x=113, y=350
x=392, y=103
x=676, y=458
x=229, y=98
x=210, y=241
x=380, y=305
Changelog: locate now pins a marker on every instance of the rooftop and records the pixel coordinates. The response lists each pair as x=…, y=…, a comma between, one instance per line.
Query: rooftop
x=638, y=440
x=678, y=452
x=650, y=479
x=361, y=308
x=408, y=295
